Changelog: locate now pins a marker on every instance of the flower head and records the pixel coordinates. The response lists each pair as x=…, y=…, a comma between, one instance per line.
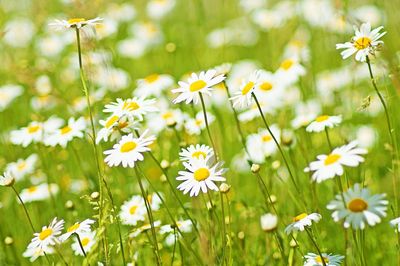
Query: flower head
x=242, y=97
x=301, y=221
x=312, y=259
x=78, y=228
x=75, y=23
x=196, y=151
x=322, y=122
x=7, y=179
x=133, y=211
x=48, y=236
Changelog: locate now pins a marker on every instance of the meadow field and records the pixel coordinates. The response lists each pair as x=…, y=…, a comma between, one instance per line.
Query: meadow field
x=200, y=132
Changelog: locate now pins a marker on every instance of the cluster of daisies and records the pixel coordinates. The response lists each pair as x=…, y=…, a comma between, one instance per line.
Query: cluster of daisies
x=49, y=239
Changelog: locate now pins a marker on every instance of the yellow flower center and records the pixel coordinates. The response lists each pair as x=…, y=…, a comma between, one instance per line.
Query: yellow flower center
x=247, y=87
x=21, y=166
x=151, y=78
x=65, y=130
x=300, y=217
x=266, y=138
x=287, y=64
x=133, y=209
x=197, y=154
x=197, y=85
x=357, y=205
x=266, y=86
x=167, y=115
x=332, y=158
x=32, y=189
x=33, y=129
x=85, y=241
x=131, y=106
x=128, y=146
x=73, y=228
x=75, y=20
x=111, y=121
x=362, y=43
x=198, y=122
x=319, y=259
x=149, y=198
x=322, y=118
x=45, y=233
x=122, y=125
x=201, y=174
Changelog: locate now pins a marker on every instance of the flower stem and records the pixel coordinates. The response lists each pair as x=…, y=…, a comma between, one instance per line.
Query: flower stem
x=207, y=126
x=26, y=211
x=80, y=244
x=328, y=139
x=315, y=245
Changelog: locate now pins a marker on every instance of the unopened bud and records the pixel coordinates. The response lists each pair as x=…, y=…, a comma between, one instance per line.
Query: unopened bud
x=95, y=195
x=224, y=188
x=255, y=168
x=276, y=164
x=241, y=235
x=8, y=240
x=69, y=205
x=164, y=164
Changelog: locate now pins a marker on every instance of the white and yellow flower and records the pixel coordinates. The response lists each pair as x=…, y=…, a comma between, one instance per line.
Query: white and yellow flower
x=196, y=152
x=133, y=107
x=185, y=226
x=262, y=144
x=242, y=98
x=290, y=71
x=201, y=83
x=395, y=223
x=200, y=176
x=194, y=126
x=133, y=211
x=7, y=179
x=359, y=207
x=301, y=221
x=48, y=236
x=312, y=259
x=75, y=23
x=365, y=42
x=269, y=222
x=88, y=239
x=78, y=228
x=128, y=150
x=331, y=165
x=157, y=9
x=144, y=228
x=8, y=93
x=153, y=85
x=322, y=122
x=114, y=126
x=36, y=252
x=38, y=192
x=22, y=167
x=73, y=129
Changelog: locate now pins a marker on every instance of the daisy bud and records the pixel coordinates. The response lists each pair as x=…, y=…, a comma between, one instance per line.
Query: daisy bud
x=276, y=164
x=69, y=205
x=171, y=122
x=293, y=243
x=7, y=180
x=170, y=47
x=224, y=188
x=163, y=178
x=241, y=235
x=95, y=195
x=287, y=138
x=255, y=168
x=269, y=222
x=276, y=255
x=164, y=164
x=272, y=199
x=8, y=240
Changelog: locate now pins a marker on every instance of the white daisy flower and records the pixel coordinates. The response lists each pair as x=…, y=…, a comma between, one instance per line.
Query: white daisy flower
x=8, y=93
x=242, y=98
x=35, y=131
x=166, y=118
x=48, y=236
x=7, y=179
x=194, y=126
x=262, y=145
x=154, y=201
x=312, y=259
x=331, y=165
x=361, y=207
x=185, y=226
x=396, y=224
x=202, y=83
x=22, y=167
x=133, y=211
x=75, y=23
x=128, y=150
x=144, y=228
x=157, y=9
x=290, y=71
x=74, y=128
x=365, y=42
x=200, y=176
x=198, y=152
x=36, y=252
x=78, y=228
x=269, y=222
x=87, y=241
x=114, y=126
x=153, y=85
x=38, y=192
x=301, y=221
x=322, y=122
x=134, y=107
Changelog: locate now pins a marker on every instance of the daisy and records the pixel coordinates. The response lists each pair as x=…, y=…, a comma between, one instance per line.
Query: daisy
x=36, y=252
x=396, y=223
x=242, y=98
x=87, y=241
x=38, y=192
x=364, y=43
x=312, y=259
x=74, y=128
x=75, y=22
x=157, y=9
x=290, y=71
x=194, y=126
x=200, y=176
x=128, y=150
x=48, y=236
x=361, y=207
x=133, y=107
x=196, y=152
x=7, y=180
x=133, y=211
x=269, y=222
x=22, y=167
x=144, y=228
x=262, y=145
x=301, y=221
x=331, y=165
x=113, y=126
x=8, y=93
x=153, y=85
x=322, y=122
x=185, y=226
x=154, y=201
x=78, y=228
x=202, y=83
x=167, y=118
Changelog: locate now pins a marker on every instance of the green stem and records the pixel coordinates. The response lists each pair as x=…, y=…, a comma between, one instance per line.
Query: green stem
x=315, y=245
x=80, y=245
x=207, y=126
x=25, y=210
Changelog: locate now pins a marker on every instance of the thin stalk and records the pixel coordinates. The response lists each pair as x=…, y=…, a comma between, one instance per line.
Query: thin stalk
x=223, y=228
x=276, y=142
x=80, y=244
x=328, y=138
x=25, y=210
x=315, y=245
x=207, y=126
